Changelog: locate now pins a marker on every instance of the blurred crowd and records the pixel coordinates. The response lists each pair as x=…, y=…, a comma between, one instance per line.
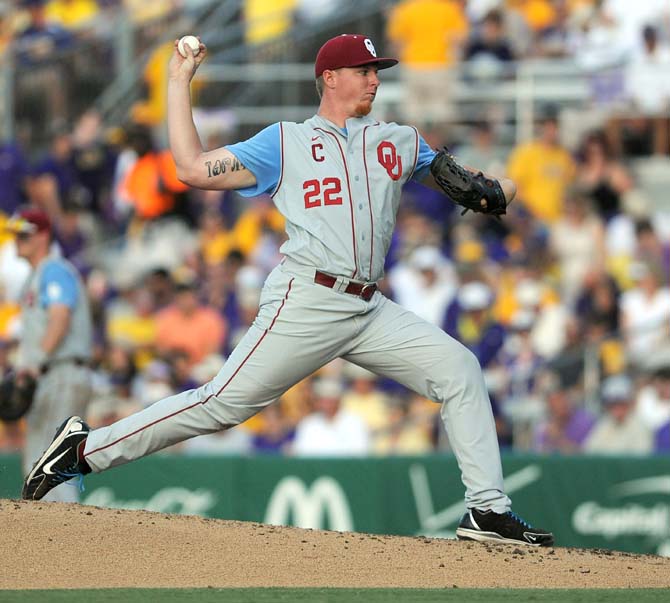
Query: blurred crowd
x=565, y=302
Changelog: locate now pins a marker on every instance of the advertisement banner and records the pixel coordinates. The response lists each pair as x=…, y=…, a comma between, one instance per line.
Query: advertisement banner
x=617, y=503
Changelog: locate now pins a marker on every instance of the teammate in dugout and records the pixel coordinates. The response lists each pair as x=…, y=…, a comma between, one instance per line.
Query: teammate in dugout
x=337, y=179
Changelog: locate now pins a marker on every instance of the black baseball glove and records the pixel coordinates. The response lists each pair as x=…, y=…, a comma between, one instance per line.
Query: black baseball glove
x=16, y=396
x=467, y=188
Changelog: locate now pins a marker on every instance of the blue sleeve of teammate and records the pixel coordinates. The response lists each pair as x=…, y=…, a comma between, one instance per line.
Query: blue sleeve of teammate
x=57, y=286
x=426, y=155
x=261, y=155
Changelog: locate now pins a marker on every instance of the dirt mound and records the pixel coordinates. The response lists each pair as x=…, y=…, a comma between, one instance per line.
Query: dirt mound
x=53, y=545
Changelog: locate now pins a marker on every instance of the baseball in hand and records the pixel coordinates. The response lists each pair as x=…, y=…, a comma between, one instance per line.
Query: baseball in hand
x=191, y=41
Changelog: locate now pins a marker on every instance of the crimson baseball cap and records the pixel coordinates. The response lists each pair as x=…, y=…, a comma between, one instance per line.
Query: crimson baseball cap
x=28, y=221
x=349, y=50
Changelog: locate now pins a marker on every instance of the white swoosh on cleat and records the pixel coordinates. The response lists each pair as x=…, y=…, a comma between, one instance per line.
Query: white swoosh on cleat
x=47, y=466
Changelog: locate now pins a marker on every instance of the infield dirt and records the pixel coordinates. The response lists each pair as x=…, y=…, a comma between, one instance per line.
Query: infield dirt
x=54, y=545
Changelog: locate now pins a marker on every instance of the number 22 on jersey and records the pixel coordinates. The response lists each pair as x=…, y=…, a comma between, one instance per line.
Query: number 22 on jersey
x=326, y=191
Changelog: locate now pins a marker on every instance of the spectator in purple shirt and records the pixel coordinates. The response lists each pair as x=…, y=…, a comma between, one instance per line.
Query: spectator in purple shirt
x=93, y=159
x=468, y=319
x=71, y=238
x=40, y=39
x=57, y=162
x=489, y=53
x=566, y=425
x=662, y=439
x=276, y=434
x=13, y=172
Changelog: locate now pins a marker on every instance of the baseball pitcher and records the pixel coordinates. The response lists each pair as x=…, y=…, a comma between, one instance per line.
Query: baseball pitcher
x=337, y=179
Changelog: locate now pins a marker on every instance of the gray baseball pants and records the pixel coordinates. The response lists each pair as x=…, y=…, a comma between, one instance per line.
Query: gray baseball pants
x=64, y=391
x=300, y=327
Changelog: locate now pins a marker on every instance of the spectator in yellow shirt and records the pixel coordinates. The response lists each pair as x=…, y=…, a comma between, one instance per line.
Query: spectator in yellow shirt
x=71, y=14
x=267, y=20
x=142, y=11
x=363, y=398
x=215, y=240
x=538, y=14
x=428, y=36
x=542, y=14
x=261, y=214
x=542, y=170
x=133, y=327
x=9, y=317
x=152, y=110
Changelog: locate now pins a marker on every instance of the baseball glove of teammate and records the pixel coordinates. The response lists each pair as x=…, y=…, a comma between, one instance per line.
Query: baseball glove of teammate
x=16, y=396
x=467, y=188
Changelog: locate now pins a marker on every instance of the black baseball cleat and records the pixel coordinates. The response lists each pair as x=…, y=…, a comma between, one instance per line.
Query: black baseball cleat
x=62, y=460
x=506, y=528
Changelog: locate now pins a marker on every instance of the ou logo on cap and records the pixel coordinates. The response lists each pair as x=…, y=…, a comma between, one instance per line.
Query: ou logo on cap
x=370, y=47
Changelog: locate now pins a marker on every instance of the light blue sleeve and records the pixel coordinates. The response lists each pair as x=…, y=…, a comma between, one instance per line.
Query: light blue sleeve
x=426, y=155
x=261, y=155
x=57, y=286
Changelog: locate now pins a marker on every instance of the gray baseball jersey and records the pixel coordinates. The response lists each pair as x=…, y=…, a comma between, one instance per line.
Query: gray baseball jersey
x=63, y=387
x=339, y=191
x=340, y=213
x=54, y=280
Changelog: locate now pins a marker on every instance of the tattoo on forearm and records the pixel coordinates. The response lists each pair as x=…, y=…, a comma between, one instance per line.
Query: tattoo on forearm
x=219, y=166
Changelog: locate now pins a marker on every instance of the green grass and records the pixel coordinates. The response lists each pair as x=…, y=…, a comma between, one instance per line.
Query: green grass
x=335, y=595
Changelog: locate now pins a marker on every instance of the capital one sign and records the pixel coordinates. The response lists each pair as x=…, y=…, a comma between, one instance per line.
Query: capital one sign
x=321, y=505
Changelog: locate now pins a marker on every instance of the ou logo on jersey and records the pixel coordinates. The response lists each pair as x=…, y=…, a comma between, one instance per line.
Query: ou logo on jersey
x=389, y=159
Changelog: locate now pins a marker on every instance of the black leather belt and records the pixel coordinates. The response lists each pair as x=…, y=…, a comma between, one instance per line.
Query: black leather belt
x=47, y=366
x=363, y=290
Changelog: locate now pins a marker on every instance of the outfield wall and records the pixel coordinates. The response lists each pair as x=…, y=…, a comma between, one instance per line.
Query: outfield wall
x=618, y=503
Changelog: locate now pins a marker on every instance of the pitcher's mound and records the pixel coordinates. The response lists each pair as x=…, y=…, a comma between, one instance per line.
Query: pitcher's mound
x=54, y=545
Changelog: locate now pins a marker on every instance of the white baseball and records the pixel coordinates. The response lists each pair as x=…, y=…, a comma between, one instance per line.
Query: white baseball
x=191, y=41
